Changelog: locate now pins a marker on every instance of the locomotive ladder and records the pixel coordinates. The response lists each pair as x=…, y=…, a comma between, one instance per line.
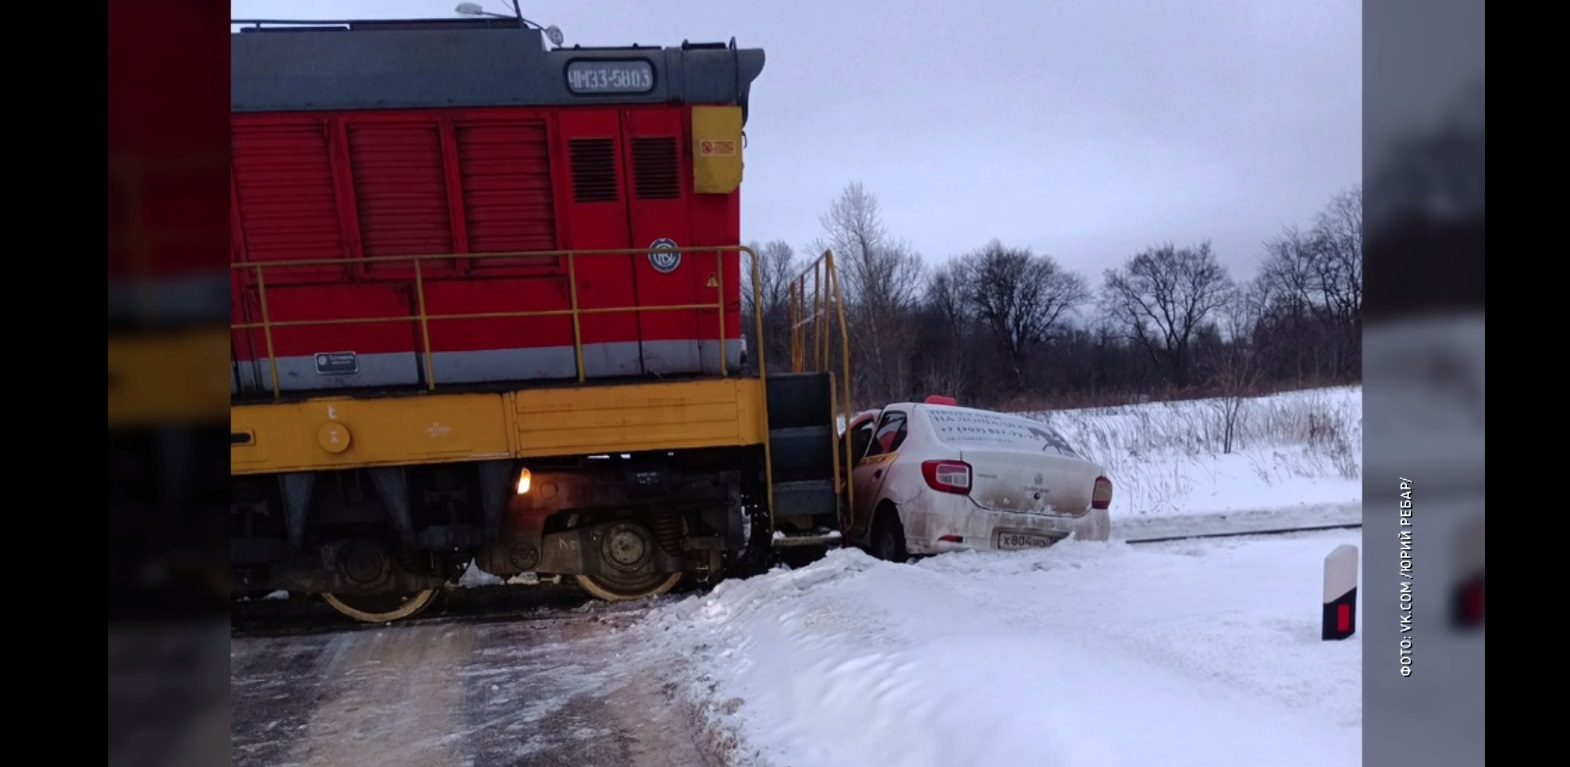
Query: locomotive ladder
x=811, y=463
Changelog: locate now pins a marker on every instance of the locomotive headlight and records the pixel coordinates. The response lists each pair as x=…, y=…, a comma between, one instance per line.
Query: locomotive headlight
x=524, y=480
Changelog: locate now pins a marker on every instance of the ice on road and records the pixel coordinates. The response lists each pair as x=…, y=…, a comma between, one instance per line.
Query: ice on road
x=1187, y=653
x=538, y=691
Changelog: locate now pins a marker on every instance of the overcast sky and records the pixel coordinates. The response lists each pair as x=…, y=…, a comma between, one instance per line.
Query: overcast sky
x=1085, y=129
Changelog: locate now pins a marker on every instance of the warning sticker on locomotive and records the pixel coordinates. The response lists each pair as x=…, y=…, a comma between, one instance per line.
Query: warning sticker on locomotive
x=667, y=261
x=716, y=148
x=337, y=363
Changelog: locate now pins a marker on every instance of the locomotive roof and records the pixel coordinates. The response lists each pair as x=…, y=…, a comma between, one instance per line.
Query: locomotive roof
x=348, y=65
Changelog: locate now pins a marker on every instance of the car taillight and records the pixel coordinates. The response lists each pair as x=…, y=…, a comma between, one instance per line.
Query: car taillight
x=947, y=476
x=1101, y=497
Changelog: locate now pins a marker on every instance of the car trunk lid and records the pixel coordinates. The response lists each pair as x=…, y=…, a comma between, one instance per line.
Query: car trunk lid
x=1017, y=464
x=1036, y=483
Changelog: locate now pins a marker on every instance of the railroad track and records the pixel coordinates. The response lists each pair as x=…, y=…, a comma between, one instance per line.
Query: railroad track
x=305, y=615
x=1245, y=533
x=544, y=602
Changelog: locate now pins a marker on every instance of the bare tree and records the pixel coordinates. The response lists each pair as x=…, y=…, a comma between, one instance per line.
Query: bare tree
x=945, y=325
x=882, y=280
x=1020, y=297
x=1162, y=297
x=1289, y=268
x=1316, y=282
x=1338, y=235
x=1289, y=276
x=1339, y=232
x=776, y=269
x=878, y=269
x=1235, y=368
x=946, y=293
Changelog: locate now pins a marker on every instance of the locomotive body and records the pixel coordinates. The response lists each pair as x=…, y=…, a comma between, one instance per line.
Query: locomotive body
x=486, y=309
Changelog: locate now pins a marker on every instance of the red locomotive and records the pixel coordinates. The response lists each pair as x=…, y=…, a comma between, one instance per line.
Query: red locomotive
x=486, y=308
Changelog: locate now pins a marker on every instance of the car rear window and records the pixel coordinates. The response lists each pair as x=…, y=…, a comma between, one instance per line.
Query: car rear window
x=962, y=428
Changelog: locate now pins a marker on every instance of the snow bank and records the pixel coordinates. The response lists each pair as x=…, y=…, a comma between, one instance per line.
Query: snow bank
x=1298, y=450
x=1197, y=653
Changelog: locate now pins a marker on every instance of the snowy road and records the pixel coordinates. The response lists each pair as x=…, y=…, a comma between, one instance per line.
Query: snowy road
x=548, y=692
x=1187, y=653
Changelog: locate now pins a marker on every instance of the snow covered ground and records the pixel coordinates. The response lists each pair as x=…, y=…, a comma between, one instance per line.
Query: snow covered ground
x=1296, y=459
x=1191, y=653
x=1184, y=653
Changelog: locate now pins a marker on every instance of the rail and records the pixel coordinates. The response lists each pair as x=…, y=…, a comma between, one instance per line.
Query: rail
x=1247, y=533
x=814, y=318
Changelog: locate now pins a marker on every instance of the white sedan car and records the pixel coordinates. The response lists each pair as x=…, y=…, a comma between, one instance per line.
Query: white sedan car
x=934, y=477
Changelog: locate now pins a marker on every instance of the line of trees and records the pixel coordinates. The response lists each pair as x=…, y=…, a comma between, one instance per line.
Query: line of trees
x=1005, y=326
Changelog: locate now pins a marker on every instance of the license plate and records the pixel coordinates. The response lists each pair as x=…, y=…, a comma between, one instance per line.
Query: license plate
x=1022, y=541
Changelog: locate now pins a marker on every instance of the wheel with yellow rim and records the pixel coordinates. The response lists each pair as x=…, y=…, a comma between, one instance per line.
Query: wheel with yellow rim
x=624, y=550
x=382, y=608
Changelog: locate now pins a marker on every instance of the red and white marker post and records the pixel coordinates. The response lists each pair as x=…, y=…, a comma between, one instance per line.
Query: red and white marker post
x=1340, y=616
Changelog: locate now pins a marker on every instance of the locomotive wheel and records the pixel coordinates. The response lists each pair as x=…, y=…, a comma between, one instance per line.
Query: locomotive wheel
x=382, y=608
x=627, y=545
x=623, y=590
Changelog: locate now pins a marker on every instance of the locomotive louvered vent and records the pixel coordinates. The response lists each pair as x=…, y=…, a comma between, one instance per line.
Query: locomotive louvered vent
x=593, y=169
x=654, y=168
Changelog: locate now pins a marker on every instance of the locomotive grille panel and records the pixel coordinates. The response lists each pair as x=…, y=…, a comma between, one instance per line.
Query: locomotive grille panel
x=284, y=186
x=507, y=187
x=656, y=168
x=593, y=169
x=400, y=188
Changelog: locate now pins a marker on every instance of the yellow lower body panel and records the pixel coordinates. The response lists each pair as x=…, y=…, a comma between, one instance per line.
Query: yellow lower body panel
x=345, y=432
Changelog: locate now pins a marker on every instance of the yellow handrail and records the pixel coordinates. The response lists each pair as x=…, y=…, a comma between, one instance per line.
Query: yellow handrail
x=575, y=311
x=813, y=331
x=424, y=317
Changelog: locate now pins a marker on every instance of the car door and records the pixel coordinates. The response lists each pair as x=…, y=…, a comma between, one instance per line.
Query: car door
x=860, y=437
x=872, y=469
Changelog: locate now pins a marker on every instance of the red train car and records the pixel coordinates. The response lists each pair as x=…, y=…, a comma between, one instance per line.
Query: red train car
x=391, y=174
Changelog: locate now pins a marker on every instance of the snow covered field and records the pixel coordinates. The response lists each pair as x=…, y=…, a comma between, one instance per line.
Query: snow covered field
x=1296, y=460
x=1190, y=653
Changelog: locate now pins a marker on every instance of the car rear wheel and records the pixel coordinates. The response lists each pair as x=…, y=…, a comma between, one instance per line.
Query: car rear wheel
x=888, y=536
